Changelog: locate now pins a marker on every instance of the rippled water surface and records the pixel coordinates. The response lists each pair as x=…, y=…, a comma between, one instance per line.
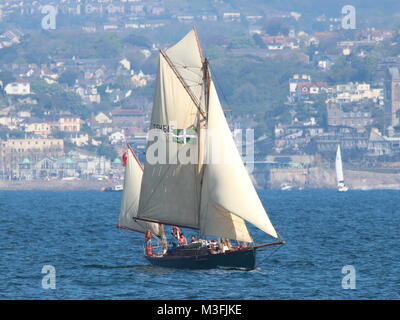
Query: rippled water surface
x=325, y=230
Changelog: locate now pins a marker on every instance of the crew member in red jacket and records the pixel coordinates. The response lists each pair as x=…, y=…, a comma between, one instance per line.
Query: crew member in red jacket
x=182, y=240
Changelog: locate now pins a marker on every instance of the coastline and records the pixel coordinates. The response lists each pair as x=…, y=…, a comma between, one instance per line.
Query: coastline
x=322, y=178
x=313, y=178
x=55, y=185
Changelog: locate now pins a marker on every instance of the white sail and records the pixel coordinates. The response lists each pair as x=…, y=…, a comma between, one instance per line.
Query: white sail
x=130, y=198
x=187, y=60
x=227, y=183
x=180, y=194
x=170, y=192
x=339, y=166
x=219, y=222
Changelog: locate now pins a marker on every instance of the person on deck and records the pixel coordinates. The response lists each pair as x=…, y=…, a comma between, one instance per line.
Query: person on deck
x=193, y=239
x=182, y=240
x=176, y=232
x=147, y=241
x=147, y=237
x=226, y=244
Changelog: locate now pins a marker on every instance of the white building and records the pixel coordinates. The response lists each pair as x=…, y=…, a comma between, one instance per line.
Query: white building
x=231, y=16
x=79, y=139
x=117, y=137
x=101, y=118
x=19, y=87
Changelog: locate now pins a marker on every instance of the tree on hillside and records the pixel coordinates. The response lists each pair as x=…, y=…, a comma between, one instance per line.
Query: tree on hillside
x=242, y=42
x=276, y=26
x=68, y=77
x=258, y=41
x=138, y=40
x=107, y=151
x=8, y=54
x=352, y=68
x=6, y=77
x=107, y=45
x=53, y=98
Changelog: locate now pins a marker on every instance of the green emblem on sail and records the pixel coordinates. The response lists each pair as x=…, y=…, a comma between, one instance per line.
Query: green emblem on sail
x=184, y=136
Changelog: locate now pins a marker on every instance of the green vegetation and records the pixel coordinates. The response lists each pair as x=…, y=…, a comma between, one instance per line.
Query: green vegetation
x=243, y=42
x=52, y=98
x=254, y=85
x=39, y=47
x=107, y=45
x=107, y=151
x=138, y=40
x=6, y=133
x=352, y=68
x=68, y=77
x=275, y=26
x=6, y=77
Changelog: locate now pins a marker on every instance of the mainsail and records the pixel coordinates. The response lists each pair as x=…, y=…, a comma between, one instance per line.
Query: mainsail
x=169, y=191
x=215, y=198
x=130, y=197
x=339, y=166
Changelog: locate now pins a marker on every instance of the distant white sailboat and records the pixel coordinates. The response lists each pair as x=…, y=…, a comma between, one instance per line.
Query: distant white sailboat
x=339, y=172
x=286, y=186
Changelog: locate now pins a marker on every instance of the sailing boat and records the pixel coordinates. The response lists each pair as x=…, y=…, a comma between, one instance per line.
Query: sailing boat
x=339, y=172
x=213, y=194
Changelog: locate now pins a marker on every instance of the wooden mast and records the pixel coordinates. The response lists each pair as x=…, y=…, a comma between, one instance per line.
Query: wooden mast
x=201, y=126
x=163, y=238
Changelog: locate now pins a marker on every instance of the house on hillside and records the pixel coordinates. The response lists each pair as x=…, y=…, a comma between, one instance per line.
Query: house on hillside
x=18, y=87
x=69, y=123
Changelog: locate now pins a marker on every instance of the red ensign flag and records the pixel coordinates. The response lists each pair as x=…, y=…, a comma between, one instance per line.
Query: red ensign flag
x=124, y=159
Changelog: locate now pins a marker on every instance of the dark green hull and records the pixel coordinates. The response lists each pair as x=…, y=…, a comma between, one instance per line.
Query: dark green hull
x=240, y=259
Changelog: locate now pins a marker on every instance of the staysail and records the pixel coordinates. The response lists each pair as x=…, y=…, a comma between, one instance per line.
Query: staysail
x=339, y=166
x=130, y=197
x=227, y=183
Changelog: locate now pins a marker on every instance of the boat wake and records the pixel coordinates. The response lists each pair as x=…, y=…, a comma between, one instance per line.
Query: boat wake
x=137, y=268
x=101, y=266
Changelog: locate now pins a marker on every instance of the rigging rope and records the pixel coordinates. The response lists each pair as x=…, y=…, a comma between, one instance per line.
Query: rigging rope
x=219, y=87
x=273, y=251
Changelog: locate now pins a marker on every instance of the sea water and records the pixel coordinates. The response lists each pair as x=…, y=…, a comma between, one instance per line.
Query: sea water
x=338, y=246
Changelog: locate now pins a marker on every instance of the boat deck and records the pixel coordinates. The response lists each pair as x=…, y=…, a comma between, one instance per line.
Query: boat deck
x=200, y=257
